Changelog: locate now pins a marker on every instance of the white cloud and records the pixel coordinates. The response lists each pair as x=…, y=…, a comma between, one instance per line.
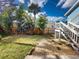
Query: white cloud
x=40, y=13
x=66, y=3
x=54, y=18
x=21, y=1
x=61, y=2
x=40, y=3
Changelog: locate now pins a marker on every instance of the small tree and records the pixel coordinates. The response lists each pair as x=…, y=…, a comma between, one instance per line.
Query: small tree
x=20, y=12
x=5, y=20
x=42, y=23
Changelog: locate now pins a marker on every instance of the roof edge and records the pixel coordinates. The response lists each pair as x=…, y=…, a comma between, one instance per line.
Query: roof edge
x=72, y=8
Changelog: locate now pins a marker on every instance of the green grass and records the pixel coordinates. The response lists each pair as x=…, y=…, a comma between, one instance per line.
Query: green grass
x=13, y=51
x=17, y=47
x=29, y=40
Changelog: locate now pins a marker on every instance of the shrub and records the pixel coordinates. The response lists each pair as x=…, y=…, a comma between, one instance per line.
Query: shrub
x=42, y=23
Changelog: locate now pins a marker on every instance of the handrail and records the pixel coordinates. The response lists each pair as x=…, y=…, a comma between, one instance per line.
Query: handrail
x=72, y=34
x=77, y=26
x=73, y=31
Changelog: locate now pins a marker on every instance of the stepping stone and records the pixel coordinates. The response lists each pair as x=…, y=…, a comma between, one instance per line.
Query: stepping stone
x=52, y=57
x=69, y=57
x=40, y=57
x=33, y=57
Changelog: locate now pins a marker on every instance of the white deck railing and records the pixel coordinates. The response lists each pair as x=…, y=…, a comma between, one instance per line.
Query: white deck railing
x=72, y=34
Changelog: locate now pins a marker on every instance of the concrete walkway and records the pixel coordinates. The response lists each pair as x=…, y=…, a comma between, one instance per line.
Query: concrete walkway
x=53, y=49
x=52, y=57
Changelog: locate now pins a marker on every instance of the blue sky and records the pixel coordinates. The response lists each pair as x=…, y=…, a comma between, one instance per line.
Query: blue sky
x=52, y=7
x=52, y=10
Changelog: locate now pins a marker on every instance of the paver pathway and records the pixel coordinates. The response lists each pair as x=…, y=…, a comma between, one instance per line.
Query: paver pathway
x=53, y=49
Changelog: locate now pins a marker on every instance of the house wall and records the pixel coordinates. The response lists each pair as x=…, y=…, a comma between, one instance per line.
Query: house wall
x=73, y=20
x=74, y=17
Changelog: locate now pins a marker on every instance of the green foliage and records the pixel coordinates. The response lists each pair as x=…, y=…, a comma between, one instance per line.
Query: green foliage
x=42, y=22
x=34, y=8
x=27, y=18
x=4, y=19
x=20, y=12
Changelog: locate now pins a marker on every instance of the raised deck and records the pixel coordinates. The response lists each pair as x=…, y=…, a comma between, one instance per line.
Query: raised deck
x=71, y=34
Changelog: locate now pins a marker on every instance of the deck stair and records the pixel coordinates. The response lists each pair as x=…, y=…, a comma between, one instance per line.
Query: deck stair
x=71, y=35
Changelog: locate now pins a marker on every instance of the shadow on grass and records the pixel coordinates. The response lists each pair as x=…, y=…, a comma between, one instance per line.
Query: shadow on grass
x=26, y=44
x=8, y=40
x=39, y=37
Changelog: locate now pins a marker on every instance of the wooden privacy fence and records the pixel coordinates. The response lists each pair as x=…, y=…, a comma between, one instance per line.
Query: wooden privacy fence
x=49, y=30
x=35, y=31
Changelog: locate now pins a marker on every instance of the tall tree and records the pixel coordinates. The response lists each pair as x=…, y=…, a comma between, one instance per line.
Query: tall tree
x=34, y=8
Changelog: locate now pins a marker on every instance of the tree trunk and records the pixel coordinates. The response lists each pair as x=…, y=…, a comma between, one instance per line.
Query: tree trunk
x=0, y=37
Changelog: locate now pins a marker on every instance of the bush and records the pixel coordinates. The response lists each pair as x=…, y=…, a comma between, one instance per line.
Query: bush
x=42, y=23
x=4, y=20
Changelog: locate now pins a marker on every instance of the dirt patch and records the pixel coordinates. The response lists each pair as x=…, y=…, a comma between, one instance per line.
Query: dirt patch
x=53, y=47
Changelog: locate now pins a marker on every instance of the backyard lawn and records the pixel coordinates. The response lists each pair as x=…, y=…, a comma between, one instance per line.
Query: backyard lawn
x=17, y=47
